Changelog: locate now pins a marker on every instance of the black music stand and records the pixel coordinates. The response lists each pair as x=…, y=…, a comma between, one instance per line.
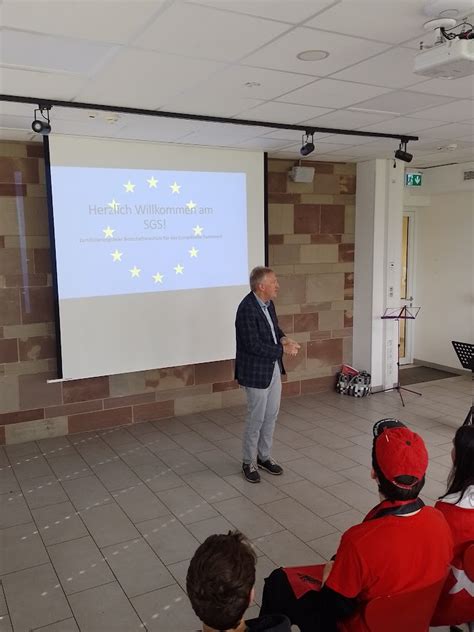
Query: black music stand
x=465, y=353
x=398, y=314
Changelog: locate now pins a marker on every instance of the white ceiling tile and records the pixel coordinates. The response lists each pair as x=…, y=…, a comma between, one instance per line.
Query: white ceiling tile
x=232, y=82
x=403, y=102
x=282, y=10
x=456, y=88
x=332, y=93
x=400, y=125
x=343, y=51
x=265, y=144
x=19, y=135
x=155, y=129
x=35, y=51
x=220, y=104
x=290, y=136
x=348, y=119
x=383, y=20
x=17, y=109
x=459, y=110
x=110, y=21
x=11, y=121
x=392, y=69
x=144, y=79
x=196, y=30
x=223, y=134
x=277, y=112
x=346, y=140
x=335, y=158
x=27, y=83
x=451, y=131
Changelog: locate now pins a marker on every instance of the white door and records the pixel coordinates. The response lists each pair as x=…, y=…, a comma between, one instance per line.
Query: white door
x=407, y=327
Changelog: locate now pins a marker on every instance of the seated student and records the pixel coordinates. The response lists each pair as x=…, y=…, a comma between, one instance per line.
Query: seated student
x=220, y=585
x=400, y=546
x=456, y=605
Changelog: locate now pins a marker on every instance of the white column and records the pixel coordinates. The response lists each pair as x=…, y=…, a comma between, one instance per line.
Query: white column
x=378, y=234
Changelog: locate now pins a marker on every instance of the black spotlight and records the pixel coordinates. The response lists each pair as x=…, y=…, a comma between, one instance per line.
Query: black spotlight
x=307, y=146
x=41, y=126
x=402, y=153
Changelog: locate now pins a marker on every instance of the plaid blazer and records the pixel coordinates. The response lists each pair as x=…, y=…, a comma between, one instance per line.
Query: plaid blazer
x=256, y=349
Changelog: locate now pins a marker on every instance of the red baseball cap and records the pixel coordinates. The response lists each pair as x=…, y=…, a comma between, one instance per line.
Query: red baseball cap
x=399, y=452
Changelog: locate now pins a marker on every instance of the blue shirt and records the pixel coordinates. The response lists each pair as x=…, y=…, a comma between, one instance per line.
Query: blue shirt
x=265, y=307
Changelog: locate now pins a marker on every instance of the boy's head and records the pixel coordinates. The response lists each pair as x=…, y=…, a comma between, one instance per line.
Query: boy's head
x=399, y=460
x=220, y=580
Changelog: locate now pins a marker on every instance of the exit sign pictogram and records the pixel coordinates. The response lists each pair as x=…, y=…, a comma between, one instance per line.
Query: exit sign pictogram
x=413, y=179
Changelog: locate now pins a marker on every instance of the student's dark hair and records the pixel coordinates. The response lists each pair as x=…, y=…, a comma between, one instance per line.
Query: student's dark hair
x=392, y=491
x=220, y=578
x=462, y=472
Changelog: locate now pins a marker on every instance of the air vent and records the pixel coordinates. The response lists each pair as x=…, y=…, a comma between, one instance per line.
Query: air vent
x=468, y=175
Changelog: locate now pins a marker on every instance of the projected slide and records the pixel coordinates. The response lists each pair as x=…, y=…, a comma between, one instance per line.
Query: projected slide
x=127, y=231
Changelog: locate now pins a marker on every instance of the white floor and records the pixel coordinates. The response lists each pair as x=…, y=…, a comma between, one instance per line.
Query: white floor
x=96, y=530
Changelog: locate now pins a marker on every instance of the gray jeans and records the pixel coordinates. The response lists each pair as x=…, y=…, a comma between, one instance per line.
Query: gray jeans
x=263, y=405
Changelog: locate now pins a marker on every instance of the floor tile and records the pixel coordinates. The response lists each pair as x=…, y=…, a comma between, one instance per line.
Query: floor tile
x=19, y=450
x=327, y=545
x=285, y=549
x=317, y=500
x=86, y=492
x=170, y=540
x=264, y=567
x=35, y=598
x=5, y=623
x=56, y=446
x=327, y=439
x=157, y=476
x=181, y=461
x=104, y=608
x=115, y=437
x=32, y=466
x=43, y=491
x=59, y=523
x=247, y=517
x=67, y=468
x=108, y=525
x=134, y=455
x=193, y=442
x=186, y=504
x=170, y=427
x=140, y=503
x=13, y=510
x=136, y=567
x=157, y=441
x=210, y=486
x=115, y=475
x=298, y=519
x=355, y=495
x=22, y=547
x=203, y=529
x=8, y=481
x=332, y=460
x=179, y=570
x=210, y=430
x=220, y=462
x=79, y=565
x=260, y=493
x=166, y=610
x=346, y=519
x=3, y=603
x=316, y=473
x=66, y=625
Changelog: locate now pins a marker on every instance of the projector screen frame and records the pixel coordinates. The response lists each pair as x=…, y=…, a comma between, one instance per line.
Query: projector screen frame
x=54, y=275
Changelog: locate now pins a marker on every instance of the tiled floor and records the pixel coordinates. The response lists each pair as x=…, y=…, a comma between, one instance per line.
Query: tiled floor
x=96, y=530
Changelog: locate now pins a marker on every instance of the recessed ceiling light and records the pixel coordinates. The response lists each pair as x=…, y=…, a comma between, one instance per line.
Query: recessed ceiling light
x=312, y=55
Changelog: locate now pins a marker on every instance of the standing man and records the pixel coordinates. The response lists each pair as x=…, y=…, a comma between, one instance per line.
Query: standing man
x=258, y=368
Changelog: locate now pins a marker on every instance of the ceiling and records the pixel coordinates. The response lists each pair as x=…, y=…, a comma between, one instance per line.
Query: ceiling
x=236, y=59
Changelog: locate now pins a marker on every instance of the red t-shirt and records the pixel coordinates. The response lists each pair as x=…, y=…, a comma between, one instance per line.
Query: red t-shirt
x=456, y=605
x=389, y=555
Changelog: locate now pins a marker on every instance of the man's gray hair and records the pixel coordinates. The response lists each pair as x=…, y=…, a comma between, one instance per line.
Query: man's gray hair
x=257, y=275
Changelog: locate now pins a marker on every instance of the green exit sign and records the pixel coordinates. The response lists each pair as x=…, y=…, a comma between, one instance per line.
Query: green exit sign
x=413, y=179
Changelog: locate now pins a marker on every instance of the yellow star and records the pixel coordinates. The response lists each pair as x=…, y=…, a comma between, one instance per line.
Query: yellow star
x=190, y=205
x=193, y=252
x=114, y=205
x=129, y=187
x=117, y=255
x=179, y=269
x=152, y=182
x=198, y=230
x=108, y=232
x=175, y=187
x=135, y=272
x=158, y=277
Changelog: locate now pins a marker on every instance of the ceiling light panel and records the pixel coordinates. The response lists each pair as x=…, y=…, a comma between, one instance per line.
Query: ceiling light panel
x=51, y=53
x=282, y=53
x=221, y=35
x=403, y=102
x=277, y=112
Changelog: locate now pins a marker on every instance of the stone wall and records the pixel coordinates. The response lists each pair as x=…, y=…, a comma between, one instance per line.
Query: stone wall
x=311, y=238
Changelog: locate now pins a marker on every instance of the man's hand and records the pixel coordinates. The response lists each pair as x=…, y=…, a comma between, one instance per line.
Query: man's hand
x=327, y=570
x=290, y=347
